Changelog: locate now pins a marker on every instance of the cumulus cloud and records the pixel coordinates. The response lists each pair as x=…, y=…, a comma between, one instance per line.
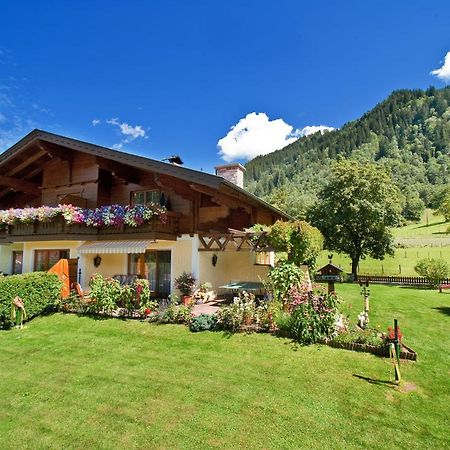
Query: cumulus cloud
x=256, y=134
x=443, y=73
x=129, y=132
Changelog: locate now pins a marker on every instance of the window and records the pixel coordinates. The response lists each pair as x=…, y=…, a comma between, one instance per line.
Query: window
x=147, y=197
x=264, y=258
x=17, y=260
x=45, y=259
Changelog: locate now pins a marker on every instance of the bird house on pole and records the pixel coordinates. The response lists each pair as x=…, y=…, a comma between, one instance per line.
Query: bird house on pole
x=329, y=273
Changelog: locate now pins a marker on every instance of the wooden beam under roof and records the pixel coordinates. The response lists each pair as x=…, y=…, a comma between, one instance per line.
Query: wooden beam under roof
x=129, y=174
x=221, y=199
x=19, y=185
x=27, y=162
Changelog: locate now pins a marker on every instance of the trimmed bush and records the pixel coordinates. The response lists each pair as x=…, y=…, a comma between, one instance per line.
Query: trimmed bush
x=203, y=322
x=434, y=270
x=40, y=291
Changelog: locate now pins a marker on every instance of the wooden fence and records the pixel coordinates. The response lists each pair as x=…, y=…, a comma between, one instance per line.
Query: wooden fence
x=409, y=281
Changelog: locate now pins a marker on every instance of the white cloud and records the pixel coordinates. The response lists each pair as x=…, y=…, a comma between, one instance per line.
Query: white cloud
x=256, y=134
x=443, y=73
x=130, y=132
x=96, y=122
x=134, y=132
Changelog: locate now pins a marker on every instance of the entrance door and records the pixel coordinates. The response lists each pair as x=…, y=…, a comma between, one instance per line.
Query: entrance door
x=158, y=266
x=157, y=270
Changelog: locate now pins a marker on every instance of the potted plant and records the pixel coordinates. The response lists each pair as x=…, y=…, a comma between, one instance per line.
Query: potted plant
x=185, y=283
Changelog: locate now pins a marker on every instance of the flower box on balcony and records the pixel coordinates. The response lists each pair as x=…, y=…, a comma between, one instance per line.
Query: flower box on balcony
x=56, y=226
x=22, y=229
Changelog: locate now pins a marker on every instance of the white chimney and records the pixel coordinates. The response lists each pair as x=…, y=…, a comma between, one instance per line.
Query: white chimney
x=233, y=172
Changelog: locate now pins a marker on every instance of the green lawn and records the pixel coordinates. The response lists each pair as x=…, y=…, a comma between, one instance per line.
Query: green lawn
x=430, y=226
x=76, y=382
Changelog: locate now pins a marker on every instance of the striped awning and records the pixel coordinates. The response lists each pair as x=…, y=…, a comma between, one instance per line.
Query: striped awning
x=114, y=247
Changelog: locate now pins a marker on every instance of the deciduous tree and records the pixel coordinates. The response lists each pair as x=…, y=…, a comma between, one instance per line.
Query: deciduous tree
x=355, y=211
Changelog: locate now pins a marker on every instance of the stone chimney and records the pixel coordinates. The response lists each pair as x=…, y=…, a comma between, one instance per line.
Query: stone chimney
x=233, y=172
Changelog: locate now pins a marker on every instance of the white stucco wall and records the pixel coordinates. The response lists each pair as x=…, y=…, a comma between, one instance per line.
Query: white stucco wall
x=6, y=257
x=185, y=257
x=231, y=265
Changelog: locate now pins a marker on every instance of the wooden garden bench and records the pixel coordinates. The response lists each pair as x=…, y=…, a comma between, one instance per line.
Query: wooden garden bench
x=443, y=286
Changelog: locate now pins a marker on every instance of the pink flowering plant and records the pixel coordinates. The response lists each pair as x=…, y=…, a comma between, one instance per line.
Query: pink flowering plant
x=312, y=315
x=104, y=216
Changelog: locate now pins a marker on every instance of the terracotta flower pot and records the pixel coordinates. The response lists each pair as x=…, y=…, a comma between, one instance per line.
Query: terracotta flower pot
x=187, y=300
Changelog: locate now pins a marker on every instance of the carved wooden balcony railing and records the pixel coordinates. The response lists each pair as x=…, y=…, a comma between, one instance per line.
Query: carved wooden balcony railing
x=60, y=229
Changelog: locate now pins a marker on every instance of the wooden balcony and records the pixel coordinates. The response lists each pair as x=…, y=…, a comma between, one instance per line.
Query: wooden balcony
x=58, y=229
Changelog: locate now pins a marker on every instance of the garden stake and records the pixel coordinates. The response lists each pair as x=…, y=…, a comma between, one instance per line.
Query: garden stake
x=396, y=341
x=395, y=353
x=394, y=358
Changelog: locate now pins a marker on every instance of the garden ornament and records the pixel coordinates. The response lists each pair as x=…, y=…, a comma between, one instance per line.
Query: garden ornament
x=18, y=313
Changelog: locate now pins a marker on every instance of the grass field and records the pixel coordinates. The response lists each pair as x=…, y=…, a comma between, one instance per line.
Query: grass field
x=419, y=241
x=76, y=382
x=431, y=226
x=402, y=263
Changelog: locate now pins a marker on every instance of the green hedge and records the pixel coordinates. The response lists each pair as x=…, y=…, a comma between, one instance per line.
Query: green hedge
x=40, y=291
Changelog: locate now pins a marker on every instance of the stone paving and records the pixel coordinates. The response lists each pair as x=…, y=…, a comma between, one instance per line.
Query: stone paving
x=204, y=308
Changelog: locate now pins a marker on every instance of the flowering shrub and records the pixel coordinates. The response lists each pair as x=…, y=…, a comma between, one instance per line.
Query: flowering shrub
x=108, y=296
x=105, y=293
x=175, y=314
x=105, y=216
x=282, y=277
x=312, y=316
x=243, y=313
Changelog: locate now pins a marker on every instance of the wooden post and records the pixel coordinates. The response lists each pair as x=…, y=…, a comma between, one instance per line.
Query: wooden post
x=142, y=265
x=331, y=287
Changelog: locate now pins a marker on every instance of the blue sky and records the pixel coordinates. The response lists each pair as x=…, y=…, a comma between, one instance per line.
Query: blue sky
x=158, y=78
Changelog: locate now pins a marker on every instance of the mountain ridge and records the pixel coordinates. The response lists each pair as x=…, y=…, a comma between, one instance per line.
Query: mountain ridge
x=408, y=132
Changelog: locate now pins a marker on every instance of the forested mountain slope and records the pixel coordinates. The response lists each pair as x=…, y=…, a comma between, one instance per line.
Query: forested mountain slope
x=409, y=133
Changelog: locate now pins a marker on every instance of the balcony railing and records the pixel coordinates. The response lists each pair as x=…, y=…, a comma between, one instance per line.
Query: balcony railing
x=59, y=227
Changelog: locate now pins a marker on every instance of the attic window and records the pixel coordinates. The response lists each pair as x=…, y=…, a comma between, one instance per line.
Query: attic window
x=148, y=197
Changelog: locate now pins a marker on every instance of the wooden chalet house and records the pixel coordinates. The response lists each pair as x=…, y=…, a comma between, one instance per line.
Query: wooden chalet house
x=200, y=232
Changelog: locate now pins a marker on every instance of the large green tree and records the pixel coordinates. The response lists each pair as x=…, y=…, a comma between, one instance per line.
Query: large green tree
x=356, y=209
x=444, y=208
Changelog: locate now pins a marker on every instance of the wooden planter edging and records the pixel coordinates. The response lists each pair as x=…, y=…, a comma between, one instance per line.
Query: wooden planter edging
x=405, y=353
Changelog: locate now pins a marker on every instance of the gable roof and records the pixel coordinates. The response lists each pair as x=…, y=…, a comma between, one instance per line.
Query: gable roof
x=138, y=162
